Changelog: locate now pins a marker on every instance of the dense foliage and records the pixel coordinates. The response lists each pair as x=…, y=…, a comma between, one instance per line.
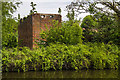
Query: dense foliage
x=65, y=32
x=9, y=24
x=61, y=56
x=9, y=33
x=65, y=46
x=89, y=28
x=102, y=25
x=100, y=28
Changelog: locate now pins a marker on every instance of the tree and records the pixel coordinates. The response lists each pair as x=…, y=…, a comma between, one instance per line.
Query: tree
x=9, y=33
x=9, y=24
x=109, y=8
x=106, y=14
x=89, y=27
x=9, y=7
x=33, y=8
x=71, y=15
x=59, y=10
x=99, y=28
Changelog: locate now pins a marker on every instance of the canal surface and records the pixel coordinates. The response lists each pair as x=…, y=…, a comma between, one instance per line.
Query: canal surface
x=63, y=74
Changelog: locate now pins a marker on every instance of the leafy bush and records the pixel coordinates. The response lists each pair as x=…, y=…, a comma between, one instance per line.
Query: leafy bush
x=89, y=26
x=67, y=33
x=61, y=56
x=9, y=33
x=100, y=28
x=9, y=23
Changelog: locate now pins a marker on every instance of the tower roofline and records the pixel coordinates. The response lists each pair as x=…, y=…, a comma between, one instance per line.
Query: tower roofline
x=44, y=14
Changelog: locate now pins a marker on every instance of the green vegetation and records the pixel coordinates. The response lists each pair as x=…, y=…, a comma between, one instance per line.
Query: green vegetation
x=9, y=24
x=66, y=46
x=33, y=8
x=66, y=33
x=61, y=56
x=100, y=28
x=59, y=10
x=101, y=25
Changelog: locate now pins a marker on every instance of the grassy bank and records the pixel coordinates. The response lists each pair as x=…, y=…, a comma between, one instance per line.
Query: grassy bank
x=61, y=56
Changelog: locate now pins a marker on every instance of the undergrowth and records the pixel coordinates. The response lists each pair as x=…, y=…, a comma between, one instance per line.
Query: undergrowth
x=61, y=56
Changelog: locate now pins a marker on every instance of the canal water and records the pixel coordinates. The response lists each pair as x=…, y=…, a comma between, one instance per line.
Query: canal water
x=62, y=74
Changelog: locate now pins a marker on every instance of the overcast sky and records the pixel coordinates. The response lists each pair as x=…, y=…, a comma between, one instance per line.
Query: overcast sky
x=47, y=0
x=44, y=6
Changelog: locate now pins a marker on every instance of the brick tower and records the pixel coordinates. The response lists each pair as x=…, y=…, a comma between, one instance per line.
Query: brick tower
x=29, y=28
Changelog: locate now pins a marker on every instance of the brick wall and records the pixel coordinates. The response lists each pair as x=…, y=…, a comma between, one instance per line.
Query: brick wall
x=29, y=28
x=25, y=32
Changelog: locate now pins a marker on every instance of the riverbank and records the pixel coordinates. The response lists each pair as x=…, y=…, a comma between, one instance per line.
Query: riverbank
x=61, y=57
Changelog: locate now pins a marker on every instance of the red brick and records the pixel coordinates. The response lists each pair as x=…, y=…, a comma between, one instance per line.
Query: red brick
x=29, y=28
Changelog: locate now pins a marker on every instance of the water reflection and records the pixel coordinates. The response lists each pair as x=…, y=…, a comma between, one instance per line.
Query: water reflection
x=63, y=74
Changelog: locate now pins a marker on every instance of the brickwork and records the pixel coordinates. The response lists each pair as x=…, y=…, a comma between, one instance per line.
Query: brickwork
x=29, y=28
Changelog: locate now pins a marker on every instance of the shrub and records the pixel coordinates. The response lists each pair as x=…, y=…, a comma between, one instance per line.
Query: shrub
x=61, y=56
x=67, y=34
